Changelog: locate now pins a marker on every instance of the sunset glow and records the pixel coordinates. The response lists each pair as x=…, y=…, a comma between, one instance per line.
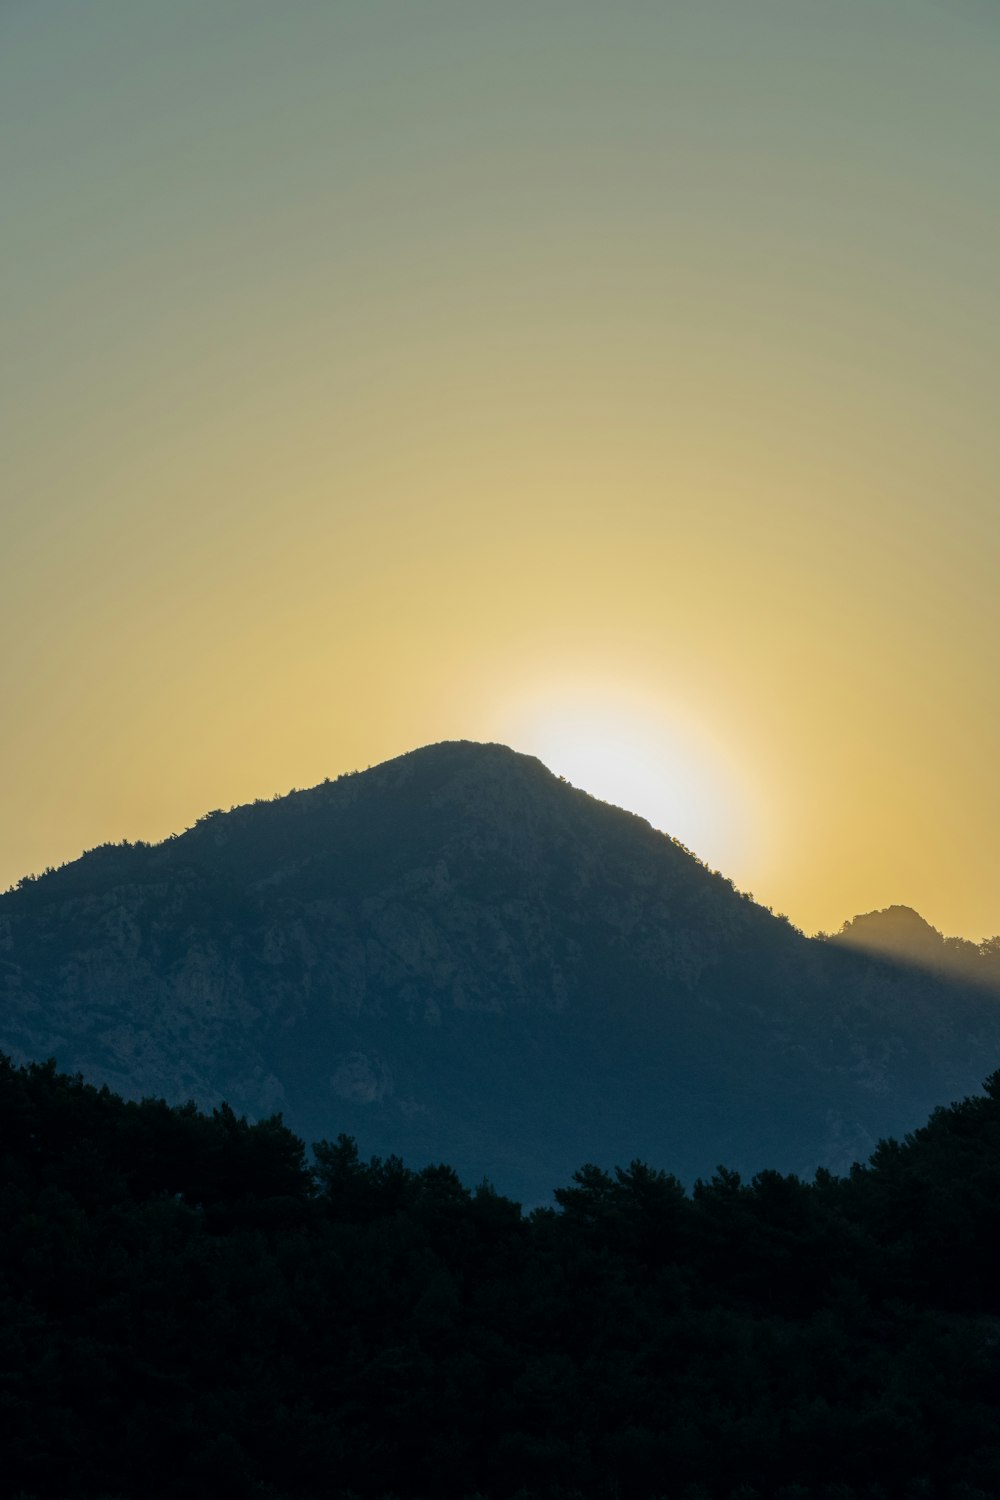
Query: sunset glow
x=617, y=384
x=629, y=749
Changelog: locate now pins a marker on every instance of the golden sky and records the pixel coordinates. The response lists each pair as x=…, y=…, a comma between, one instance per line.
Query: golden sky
x=616, y=381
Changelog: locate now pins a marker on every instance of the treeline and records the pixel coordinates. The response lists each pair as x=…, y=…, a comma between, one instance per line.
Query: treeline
x=189, y=1308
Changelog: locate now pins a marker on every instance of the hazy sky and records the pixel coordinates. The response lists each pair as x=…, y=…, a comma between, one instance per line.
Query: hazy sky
x=619, y=381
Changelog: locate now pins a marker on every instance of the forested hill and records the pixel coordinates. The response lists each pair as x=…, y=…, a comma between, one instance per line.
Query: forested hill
x=187, y=1309
x=902, y=934
x=457, y=955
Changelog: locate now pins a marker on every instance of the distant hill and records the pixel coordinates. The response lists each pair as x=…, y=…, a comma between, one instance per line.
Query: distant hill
x=456, y=955
x=900, y=933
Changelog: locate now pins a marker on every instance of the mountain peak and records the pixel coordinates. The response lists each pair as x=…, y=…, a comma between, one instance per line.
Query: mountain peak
x=448, y=760
x=893, y=929
x=901, y=935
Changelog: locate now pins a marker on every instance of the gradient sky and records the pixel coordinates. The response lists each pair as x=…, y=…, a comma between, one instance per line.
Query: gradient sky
x=616, y=381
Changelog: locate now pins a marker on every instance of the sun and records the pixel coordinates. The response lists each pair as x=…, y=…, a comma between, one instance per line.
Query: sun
x=620, y=743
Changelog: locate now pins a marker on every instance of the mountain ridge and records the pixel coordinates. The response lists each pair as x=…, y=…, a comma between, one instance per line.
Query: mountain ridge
x=456, y=954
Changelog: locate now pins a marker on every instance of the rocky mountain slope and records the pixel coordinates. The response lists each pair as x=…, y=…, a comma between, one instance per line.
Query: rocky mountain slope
x=457, y=955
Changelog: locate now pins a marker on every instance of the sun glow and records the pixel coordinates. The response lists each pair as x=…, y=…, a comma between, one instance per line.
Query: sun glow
x=620, y=744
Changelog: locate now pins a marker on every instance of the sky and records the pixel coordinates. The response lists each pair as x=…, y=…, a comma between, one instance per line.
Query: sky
x=619, y=382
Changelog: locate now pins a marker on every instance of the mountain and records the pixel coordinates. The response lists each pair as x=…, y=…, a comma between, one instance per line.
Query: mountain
x=456, y=955
x=900, y=933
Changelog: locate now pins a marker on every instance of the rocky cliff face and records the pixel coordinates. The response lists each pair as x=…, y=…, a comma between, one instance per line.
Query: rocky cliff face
x=457, y=955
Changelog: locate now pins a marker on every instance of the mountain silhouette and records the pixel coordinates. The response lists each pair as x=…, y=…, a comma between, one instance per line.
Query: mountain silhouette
x=456, y=955
x=901, y=933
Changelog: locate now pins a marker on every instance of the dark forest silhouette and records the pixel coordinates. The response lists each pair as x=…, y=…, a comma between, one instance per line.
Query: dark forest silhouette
x=190, y=1309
